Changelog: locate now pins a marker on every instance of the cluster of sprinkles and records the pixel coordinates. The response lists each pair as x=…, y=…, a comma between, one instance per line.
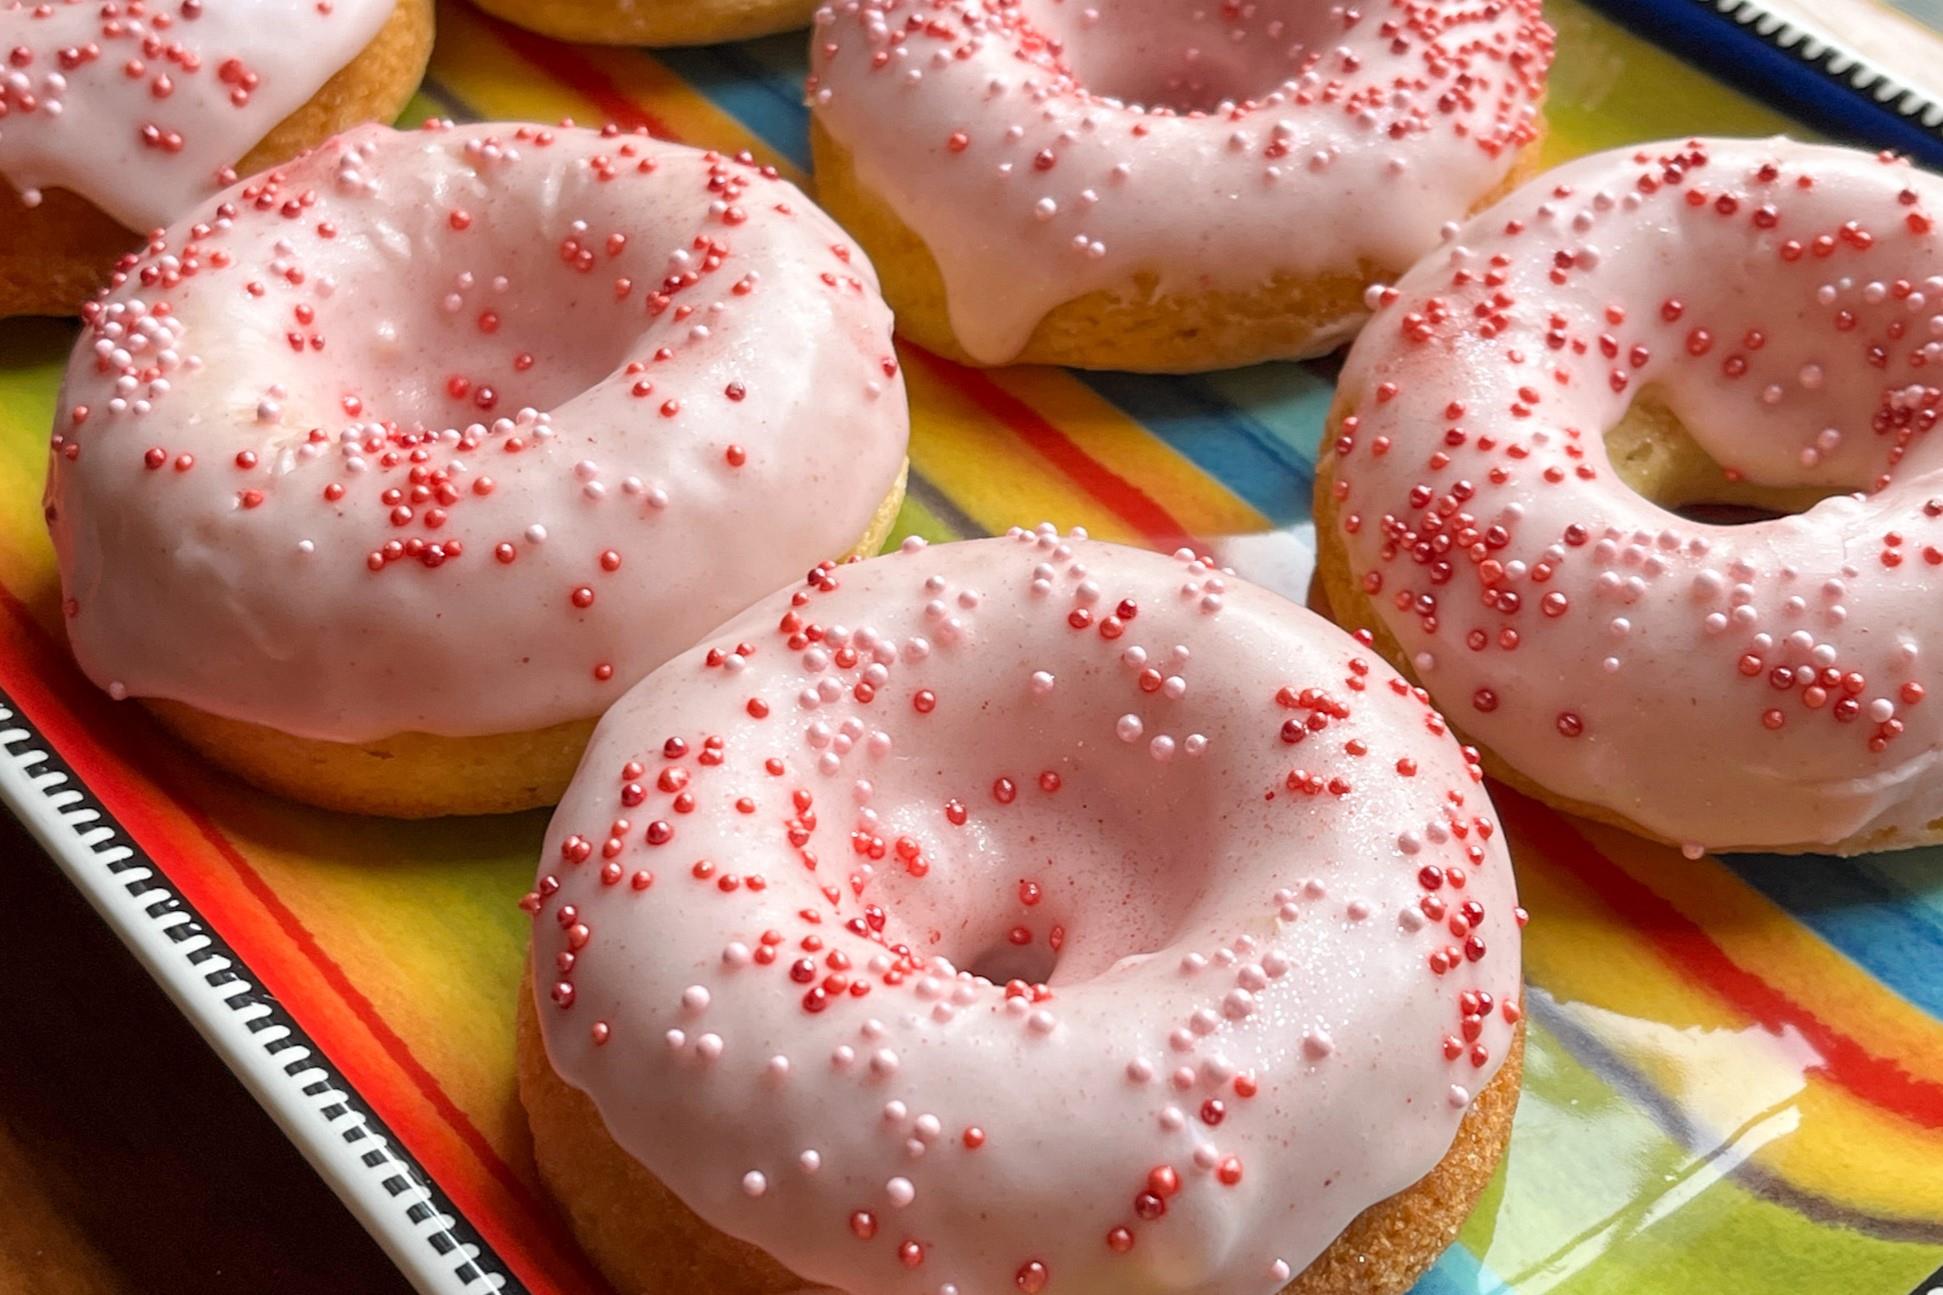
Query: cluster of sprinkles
x=1531, y=588
x=492, y=407
x=790, y=827
x=189, y=85
x=1115, y=138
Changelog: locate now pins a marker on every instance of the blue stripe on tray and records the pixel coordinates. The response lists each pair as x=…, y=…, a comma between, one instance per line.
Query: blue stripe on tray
x=1258, y=452
x=1916, y=880
x=1885, y=915
x=758, y=82
x=942, y=508
x=1459, y=1272
x=1773, y=67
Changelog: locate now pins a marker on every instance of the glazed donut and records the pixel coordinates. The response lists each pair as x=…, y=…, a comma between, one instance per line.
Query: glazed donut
x=1025, y=913
x=121, y=116
x=652, y=22
x=1668, y=328
x=384, y=475
x=1143, y=184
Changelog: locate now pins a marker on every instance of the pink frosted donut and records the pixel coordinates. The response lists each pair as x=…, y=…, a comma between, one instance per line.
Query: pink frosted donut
x=1228, y=175
x=461, y=431
x=139, y=106
x=120, y=115
x=1025, y=913
x=1773, y=308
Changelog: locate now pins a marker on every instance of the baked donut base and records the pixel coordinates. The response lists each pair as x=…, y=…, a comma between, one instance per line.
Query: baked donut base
x=1132, y=328
x=653, y=22
x=55, y=256
x=1656, y=457
x=646, y=1241
x=418, y=775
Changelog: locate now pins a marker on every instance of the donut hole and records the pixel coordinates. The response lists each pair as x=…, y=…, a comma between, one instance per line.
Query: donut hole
x=538, y=343
x=1188, y=58
x=1021, y=896
x=1004, y=962
x=1658, y=459
x=1712, y=514
x=443, y=327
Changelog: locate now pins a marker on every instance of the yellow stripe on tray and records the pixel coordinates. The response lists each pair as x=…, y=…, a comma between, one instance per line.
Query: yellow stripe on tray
x=1653, y=957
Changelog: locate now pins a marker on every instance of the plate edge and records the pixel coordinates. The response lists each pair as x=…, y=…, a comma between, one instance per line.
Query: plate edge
x=436, y=1247
x=1813, y=77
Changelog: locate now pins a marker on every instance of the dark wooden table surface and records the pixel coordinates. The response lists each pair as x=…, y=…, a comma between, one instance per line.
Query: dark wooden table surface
x=131, y=1160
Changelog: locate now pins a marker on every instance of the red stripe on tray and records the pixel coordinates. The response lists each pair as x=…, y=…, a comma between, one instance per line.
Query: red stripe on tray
x=1123, y=498
x=68, y=711
x=1880, y=1081
x=1127, y=501
x=565, y=64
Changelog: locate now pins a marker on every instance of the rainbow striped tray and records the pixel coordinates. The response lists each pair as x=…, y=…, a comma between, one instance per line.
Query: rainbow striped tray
x=1735, y=1075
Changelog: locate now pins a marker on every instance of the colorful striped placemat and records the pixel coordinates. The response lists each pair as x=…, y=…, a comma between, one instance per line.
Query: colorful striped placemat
x=1735, y=1075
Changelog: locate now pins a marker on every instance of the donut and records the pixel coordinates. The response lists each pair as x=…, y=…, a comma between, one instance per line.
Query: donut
x=386, y=472
x=1147, y=185
x=1637, y=477
x=120, y=116
x=652, y=22
x=1030, y=914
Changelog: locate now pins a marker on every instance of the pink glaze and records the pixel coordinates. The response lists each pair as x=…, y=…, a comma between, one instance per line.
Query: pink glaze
x=1044, y=149
x=463, y=430
x=142, y=106
x=1726, y=686
x=1028, y=913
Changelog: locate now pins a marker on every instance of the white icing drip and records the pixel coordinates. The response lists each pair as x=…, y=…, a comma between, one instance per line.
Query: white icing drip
x=1035, y=179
